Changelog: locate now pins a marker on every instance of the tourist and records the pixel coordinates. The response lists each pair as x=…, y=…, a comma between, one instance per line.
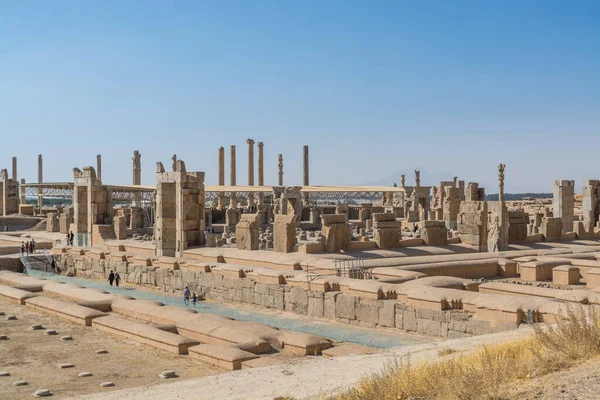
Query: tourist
x=27, y=247
x=111, y=277
x=117, y=279
x=72, y=237
x=22, y=248
x=416, y=228
x=32, y=246
x=186, y=296
x=53, y=265
x=194, y=299
x=68, y=240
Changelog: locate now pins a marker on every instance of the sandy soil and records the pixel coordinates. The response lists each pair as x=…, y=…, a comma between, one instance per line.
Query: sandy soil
x=581, y=382
x=33, y=356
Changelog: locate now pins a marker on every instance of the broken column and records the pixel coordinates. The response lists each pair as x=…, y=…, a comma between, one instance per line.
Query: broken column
x=99, y=167
x=284, y=233
x=246, y=232
x=250, y=170
x=261, y=176
x=40, y=180
x=280, y=170
x=232, y=177
x=385, y=230
x=137, y=168
x=65, y=219
x=336, y=232
x=434, y=233
x=221, y=197
x=517, y=226
x=305, y=181
x=474, y=192
x=14, y=169
x=180, y=210
x=564, y=203
x=52, y=222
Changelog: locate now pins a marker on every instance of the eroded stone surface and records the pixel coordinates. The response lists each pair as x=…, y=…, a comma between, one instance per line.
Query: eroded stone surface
x=51, y=332
x=20, y=383
x=66, y=338
x=107, y=384
x=37, y=327
x=11, y=317
x=42, y=393
x=65, y=365
x=4, y=373
x=101, y=351
x=84, y=374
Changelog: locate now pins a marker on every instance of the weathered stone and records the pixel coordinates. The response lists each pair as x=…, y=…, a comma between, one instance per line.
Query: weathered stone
x=101, y=351
x=365, y=313
x=409, y=321
x=42, y=393
x=20, y=383
x=107, y=384
x=167, y=375
x=3, y=337
x=387, y=314
x=329, y=306
x=51, y=332
x=36, y=327
x=4, y=373
x=315, y=307
x=65, y=365
x=284, y=233
x=84, y=374
x=345, y=306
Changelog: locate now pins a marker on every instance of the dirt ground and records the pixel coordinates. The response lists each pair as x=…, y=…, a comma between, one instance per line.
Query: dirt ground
x=581, y=382
x=31, y=355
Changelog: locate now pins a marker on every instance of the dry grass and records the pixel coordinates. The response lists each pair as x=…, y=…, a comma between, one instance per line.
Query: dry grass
x=485, y=373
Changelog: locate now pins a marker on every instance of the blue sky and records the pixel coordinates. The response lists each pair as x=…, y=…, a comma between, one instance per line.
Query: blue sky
x=374, y=88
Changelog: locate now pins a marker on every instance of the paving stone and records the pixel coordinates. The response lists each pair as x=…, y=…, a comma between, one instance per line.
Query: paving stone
x=107, y=384
x=51, y=332
x=20, y=383
x=42, y=393
x=4, y=373
x=65, y=365
x=101, y=351
x=84, y=374
x=66, y=338
x=11, y=317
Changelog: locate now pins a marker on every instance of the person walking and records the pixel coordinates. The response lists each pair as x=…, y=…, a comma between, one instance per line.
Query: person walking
x=111, y=277
x=72, y=237
x=68, y=240
x=186, y=296
x=194, y=299
x=117, y=279
x=27, y=248
x=32, y=245
x=22, y=248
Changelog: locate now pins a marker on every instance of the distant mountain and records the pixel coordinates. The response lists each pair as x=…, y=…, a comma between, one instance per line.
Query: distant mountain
x=427, y=179
x=518, y=196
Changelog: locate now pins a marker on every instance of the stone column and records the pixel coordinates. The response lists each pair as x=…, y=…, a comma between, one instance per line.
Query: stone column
x=501, y=181
x=232, y=177
x=40, y=180
x=221, y=197
x=14, y=169
x=99, y=167
x=280, y=169
x=250, y=170
x=174, y=159
x=305, y=181
x=23, y=192
x=137, y=168
x=261, y=171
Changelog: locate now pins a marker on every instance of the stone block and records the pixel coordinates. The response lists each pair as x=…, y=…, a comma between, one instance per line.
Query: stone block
x=387, y=314
x=365, y=313
x=329, y=307
x=409, y=321
x=429, y=327
x=315, y=307
x=345, y=306
x=565, y=275
x=284, y=233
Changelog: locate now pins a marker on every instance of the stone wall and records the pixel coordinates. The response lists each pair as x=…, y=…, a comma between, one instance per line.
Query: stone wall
x=11, y=264
x=329, y=305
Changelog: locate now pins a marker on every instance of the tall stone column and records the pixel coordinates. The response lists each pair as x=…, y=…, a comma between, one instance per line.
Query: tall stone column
x=23, y=192
x=40, y=180
x=501, y=168
x=306, y=181
x=250, y=170
x=280, y=169
x=99, y=167
x=261, y=171
x=232, y=177
x=137, y=168
x=14, y=169
x=174, y=159
x=221, y=197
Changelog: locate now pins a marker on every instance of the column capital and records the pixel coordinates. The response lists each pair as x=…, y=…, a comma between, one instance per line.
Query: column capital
x=250, y=141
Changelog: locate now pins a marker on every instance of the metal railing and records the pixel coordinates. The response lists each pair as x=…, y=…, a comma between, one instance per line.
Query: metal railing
x=353, y=268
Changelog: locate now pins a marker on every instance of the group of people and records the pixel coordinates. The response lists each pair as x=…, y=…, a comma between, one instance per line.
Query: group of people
x=186, y=297
x=28, y=247
x=70, y=238
x=114, y=277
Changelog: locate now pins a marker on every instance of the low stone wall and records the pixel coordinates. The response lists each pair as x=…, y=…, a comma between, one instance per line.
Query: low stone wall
x=330, y=305
x=11, y=264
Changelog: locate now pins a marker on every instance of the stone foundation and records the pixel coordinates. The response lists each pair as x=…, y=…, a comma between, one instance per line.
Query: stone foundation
x=337, y=306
